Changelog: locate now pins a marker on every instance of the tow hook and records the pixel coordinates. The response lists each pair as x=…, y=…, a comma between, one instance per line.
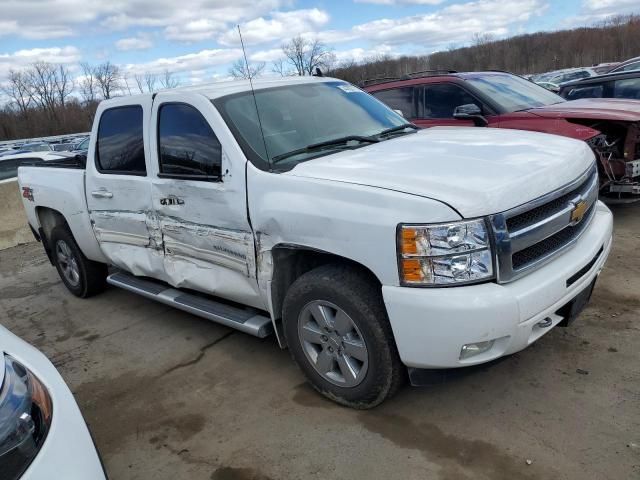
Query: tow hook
x=546, y=323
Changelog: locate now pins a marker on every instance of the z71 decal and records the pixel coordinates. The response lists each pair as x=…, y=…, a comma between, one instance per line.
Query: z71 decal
x=27, y=192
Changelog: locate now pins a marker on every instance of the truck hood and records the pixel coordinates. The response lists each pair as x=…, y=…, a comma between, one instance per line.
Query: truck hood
x=476, y=171
x=596, y=108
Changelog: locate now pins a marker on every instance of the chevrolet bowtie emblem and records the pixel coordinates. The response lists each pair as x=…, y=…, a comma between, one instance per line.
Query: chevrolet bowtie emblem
x=577, y=214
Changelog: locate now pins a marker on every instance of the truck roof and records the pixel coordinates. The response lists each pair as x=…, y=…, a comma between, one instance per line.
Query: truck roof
x=220, y=89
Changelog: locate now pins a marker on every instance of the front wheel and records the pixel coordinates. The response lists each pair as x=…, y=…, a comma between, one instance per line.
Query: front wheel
x=338, y=332
x=81, y=276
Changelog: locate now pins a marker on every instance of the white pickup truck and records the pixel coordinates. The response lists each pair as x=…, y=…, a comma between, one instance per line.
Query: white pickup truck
x=309, y=209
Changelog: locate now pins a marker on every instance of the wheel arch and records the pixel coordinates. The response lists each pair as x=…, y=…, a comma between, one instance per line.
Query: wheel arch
x=48, y=219
x=290, y=261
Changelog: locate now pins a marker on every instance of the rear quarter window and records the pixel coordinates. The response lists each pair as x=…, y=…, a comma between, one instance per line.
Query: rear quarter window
x=398, y=99
x=590, y=91
x=120, y=145
x=627, y=88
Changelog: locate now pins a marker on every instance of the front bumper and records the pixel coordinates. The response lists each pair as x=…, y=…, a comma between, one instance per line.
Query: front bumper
x=431, y=325
x=68, y=451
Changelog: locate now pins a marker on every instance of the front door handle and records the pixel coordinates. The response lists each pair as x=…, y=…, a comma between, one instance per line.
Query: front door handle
x=102, y=193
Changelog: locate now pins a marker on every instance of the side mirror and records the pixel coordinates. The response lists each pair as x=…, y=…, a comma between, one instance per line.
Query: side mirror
x=399, y=112
x=470, y=111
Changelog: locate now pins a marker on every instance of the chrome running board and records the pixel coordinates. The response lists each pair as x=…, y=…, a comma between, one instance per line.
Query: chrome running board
x=245, y=320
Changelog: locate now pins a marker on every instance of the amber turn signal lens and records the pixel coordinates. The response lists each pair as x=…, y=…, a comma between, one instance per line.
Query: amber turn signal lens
x=412, y=270
x=409, y=238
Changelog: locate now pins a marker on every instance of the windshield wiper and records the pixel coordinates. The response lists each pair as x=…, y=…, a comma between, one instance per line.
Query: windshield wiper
x=335, y=142
x=399, y=128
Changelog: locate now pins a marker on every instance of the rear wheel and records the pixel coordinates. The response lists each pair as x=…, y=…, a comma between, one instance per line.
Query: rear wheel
x=338, y=332
x=81, y=276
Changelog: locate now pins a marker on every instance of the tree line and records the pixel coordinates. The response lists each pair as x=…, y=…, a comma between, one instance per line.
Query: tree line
x=45, y=99
x=613, y=40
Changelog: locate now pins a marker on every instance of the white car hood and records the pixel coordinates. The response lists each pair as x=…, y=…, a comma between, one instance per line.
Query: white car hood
x=477, y=171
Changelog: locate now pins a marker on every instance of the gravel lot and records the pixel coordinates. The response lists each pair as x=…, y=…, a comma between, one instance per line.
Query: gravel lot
x=172, y=396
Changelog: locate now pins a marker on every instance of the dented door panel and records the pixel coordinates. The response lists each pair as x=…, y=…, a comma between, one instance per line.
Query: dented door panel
x=120, y=208
x=206, y=237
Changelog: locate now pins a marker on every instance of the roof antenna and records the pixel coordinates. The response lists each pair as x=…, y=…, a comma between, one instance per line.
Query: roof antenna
x=246, y=62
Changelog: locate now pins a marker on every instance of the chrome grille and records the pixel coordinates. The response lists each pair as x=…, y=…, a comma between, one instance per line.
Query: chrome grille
x=529, y=235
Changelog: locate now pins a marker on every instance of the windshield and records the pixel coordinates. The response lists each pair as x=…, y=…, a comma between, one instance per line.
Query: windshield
x=513, y=93
x=294, y=117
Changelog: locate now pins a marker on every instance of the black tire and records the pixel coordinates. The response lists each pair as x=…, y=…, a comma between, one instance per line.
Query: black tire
x=91, y=276
x=359, y=296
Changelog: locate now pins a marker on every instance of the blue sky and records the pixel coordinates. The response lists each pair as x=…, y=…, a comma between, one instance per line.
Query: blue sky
x=196, y=39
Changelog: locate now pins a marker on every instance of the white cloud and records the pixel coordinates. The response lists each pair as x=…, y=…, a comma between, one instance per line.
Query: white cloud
x=266, y=55
x=359, y=54
x=454, y=23
x=141, y=42
x=195, y=30
x=598, y=10
x=21, y=59
x=401, y=2
x=58, y=18
x=610, y=5
x=280, y=26
x=201, y=61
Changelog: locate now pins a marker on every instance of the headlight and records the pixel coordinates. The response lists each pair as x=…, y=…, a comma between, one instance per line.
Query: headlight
x=444, y=254
x=25, y=418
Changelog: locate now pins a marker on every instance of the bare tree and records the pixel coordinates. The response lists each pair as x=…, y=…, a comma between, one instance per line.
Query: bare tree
x=168, y=80
x=150, y=79
x=125, y=80
x=19, y=90
x=63, y=84
x=280, y=67
x=108, y=78
x=42, y=82
x=306, y=55
x=139, y=79
x=239, y=69
x=88, y=84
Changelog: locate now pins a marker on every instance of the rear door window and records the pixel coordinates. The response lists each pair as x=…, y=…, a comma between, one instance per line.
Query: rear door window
x=627, y=88
x=441, y=99
x=399, y=99
x=120, y=146
x=186, y=143
x=628, y=68
x=587, y=91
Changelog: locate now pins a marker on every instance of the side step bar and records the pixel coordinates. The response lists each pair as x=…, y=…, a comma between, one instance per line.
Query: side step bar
x=246, y=321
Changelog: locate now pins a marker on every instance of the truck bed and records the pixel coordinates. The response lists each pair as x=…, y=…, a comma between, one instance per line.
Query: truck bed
x=58, y=187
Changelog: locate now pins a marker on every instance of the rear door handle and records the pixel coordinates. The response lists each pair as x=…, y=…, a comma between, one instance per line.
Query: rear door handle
x=102, y=193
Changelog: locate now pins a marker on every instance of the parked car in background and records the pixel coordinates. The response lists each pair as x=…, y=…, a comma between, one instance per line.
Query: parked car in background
x=9, y=164
x=42, y=432
x=30, y=147
x=498, y=99
x=606, y=67
x=560, y=76
x=552, y=87
x=367, y=245
x=611, y=85
x=627, y=66
x=82, y=147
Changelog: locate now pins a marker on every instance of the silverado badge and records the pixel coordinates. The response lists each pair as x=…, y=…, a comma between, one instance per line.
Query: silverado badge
x=578, y=212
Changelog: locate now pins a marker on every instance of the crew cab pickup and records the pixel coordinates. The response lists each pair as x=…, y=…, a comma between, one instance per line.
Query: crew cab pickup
x=308, y=208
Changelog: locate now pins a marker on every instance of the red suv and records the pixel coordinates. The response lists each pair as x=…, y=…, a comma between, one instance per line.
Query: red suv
x=502, y=100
